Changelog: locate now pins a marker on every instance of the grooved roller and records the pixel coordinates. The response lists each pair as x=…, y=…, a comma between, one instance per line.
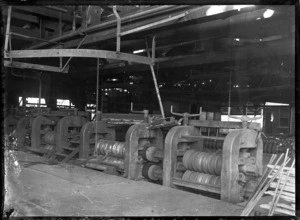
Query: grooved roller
x=202, y=178
x=111, y=148
x=117, y=162
x=213, y=144
x=203, y=162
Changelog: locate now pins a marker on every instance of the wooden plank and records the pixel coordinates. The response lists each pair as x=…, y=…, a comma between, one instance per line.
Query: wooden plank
x=203, y=187
x=280, y=210
x=77, y=53
x=222, y=124
x=21, y=65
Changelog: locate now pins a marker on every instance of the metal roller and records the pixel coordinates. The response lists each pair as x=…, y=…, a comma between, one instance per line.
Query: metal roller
x=270, y=146
x=50, y=137
x=203, y=162
x=213, y=144
x=111, y=148
x=113, y=161
x=202, y=178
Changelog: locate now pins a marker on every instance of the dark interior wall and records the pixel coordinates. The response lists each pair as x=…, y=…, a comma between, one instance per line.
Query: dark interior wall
x=277, y=120
x=54, y=86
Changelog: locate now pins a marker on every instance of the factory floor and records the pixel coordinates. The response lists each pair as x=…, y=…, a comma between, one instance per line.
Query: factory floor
x=69, y=190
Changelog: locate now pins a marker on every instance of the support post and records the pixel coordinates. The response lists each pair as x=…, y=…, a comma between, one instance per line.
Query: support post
x=118, y=29
x=7, y=29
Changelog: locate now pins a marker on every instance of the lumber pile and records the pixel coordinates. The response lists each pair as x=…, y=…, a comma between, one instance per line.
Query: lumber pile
x=279, y=182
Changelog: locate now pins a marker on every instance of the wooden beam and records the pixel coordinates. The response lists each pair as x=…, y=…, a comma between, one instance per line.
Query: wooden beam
x=109, y=26
x=42, y=11
x=88, y=53
x=154, y=24
x=21, y=65
x=28, y=32
x=16, y=16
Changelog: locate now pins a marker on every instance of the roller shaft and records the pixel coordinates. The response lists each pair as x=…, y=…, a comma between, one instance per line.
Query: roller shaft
x=202, y=178
x=111, y=148
x=203, y=162
x=111, y=161
x=213, y=144
x=50, y=137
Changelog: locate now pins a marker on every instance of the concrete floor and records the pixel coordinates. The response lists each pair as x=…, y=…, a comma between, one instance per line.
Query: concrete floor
x=68, y=190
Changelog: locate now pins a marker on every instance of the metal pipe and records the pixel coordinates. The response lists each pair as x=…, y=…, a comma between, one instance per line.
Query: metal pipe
x=153, y=49
x=72, y=57
x=154, y=24
x=23, y=76
x=118, y=29
x=7, y=28
x=109, y=23
x=55, y=8
x=74, y=21
x=35, y=38
x=155, y=84
x=60, y=33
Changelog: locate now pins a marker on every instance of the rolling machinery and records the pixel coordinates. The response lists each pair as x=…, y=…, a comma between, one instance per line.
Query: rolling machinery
x=138, y=155
x=38, y=132
x=10, y=122
x=232, y=171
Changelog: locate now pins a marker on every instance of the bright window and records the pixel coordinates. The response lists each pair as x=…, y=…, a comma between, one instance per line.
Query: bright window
x=32, y=102
x=64, y=103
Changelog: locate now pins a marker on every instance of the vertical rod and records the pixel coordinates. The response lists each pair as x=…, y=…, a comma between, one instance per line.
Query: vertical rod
x=153, y=49
x=10, y=47
x=97, y=86
x=155, y=84
x=40, y=93
x=74, y=19
x=97, y=103
x=7, y=28
x=118, y=29
x=41, y=28
x=60, y=33
x=66, y=64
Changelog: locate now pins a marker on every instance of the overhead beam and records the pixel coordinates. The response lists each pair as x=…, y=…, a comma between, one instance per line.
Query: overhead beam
x=42, y=11
x=20, y=65
x=278, y=48
x=29, y=18
x=88, y=53
x=111, y=24
x=196, y=15
x=23, y=31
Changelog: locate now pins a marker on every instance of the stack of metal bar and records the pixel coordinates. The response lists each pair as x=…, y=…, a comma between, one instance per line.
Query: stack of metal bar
x=278, y=181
